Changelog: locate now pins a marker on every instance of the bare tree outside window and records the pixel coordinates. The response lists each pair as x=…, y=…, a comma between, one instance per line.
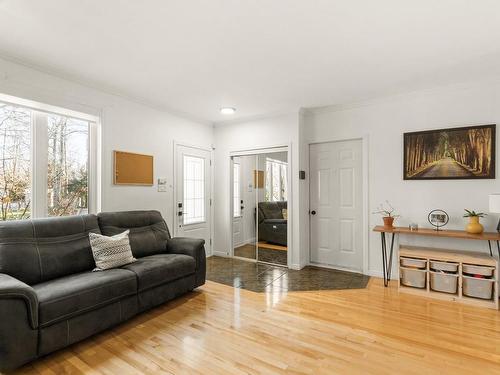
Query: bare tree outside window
x=15, y=151
x=276, y=188
x=67, y=190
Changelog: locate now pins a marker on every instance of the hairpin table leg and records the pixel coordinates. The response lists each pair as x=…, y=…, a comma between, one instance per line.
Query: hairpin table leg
x=384, y=256
x=489, y=245
x=387, y=262
x=389, y=270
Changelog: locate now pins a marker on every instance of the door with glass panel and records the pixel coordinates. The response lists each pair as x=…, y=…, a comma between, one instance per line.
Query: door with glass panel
x=260, y=214
x=193, y=217
x=244, y=198
x=272, y=208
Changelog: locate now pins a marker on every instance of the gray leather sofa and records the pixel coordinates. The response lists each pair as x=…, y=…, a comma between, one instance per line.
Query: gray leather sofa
x=272, y=225
x=49, y=296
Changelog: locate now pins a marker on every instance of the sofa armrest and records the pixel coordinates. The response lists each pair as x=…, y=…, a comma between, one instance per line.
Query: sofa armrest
x=12, y=288
x=194, y=248
x=18, y=323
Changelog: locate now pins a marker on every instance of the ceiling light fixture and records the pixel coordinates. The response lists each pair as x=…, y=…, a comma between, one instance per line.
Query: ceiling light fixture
x=227, y=110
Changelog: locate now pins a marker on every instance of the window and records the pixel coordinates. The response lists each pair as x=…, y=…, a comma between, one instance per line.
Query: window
x=67, y=167
x=15, y=164
x=236, y=190
x=44, y=163
x=194, y=190
x=276, y=186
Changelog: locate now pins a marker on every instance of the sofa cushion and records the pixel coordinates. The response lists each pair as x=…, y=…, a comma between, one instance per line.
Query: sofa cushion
x=148, y=231
x=271, y=210
x=68, y=296
x=39, y=250
x=162, y=268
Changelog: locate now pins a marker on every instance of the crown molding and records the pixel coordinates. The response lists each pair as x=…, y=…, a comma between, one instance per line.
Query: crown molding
x=103, y=89
x=401, y=95
x=264, y=116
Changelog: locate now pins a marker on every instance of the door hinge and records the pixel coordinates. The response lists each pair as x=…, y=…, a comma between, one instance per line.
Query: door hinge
x=210, y=200
x=210, y=162
x=210, y=242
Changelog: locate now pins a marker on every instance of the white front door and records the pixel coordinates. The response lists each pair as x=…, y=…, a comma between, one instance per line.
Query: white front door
x=237, y=204
x=193, y=176
x=336, y=204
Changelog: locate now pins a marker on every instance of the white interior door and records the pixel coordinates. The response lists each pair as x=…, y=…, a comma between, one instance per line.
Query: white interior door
x=193, y=176
x=336, y=204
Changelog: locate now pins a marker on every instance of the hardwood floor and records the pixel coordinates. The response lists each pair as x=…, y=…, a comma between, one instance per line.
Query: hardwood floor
x=223, y=330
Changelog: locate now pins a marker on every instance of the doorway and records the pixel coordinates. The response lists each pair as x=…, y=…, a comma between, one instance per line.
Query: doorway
x=260, y=207
x=193, y=194
x=336, y=204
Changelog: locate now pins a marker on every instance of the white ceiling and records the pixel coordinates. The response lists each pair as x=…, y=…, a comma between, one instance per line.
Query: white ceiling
x=260, y=56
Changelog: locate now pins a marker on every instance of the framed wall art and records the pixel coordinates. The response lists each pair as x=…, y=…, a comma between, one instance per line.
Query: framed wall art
x=446, y=154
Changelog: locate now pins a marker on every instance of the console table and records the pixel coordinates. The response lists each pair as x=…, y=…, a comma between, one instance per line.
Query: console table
x=444, y=233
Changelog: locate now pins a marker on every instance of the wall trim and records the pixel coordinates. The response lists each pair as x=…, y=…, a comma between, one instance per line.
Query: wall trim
x=399, y=95
x=102, y=88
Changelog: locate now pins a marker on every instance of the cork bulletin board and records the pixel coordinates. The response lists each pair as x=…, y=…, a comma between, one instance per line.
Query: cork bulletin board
x=132, y=169
x=258, y=179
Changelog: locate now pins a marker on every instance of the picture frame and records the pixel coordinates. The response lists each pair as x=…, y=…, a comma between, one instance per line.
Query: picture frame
x=450, y=153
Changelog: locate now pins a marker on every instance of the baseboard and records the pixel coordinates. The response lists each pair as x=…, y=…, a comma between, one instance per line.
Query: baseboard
x=380, y=274
x=220, y=254
x=251, y=240
x=335, y=268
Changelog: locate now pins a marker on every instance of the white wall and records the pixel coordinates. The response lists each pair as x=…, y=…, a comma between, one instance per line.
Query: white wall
x=384, y=121
x=282, y=130
x=126, y=125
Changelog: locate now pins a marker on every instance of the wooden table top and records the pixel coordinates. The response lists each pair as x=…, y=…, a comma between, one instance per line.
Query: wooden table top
x=445, y=233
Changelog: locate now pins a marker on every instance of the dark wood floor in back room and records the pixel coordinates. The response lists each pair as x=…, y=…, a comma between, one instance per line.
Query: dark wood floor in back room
x=268, y=253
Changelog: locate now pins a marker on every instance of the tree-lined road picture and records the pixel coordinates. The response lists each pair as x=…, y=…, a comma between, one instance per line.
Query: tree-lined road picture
x=458, y=153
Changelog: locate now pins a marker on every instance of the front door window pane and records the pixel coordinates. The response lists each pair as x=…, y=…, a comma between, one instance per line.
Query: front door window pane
x=15, y=164
x=194, y=190
x=236, y=191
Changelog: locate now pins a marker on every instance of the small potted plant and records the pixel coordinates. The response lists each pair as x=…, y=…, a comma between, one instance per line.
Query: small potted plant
x=474, y=226
x=387, y=212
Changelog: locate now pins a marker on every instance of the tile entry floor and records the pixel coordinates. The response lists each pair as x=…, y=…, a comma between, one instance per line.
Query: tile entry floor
x=259, y=277
x=268, y=255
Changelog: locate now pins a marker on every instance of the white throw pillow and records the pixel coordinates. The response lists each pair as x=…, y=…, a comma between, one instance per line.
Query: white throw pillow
x=111, y=252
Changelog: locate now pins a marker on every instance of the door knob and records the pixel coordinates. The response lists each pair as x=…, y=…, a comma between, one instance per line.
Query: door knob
x=313, y=212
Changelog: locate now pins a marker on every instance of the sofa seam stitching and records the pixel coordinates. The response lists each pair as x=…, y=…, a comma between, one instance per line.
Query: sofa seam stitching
x=87, y=309
x=87, y=290
x=67, y=332
x=37, y=250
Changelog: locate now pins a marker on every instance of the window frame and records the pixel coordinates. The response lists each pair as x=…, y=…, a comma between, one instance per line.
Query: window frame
x=39, y=155
x=195, y=219
x=282, y=167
